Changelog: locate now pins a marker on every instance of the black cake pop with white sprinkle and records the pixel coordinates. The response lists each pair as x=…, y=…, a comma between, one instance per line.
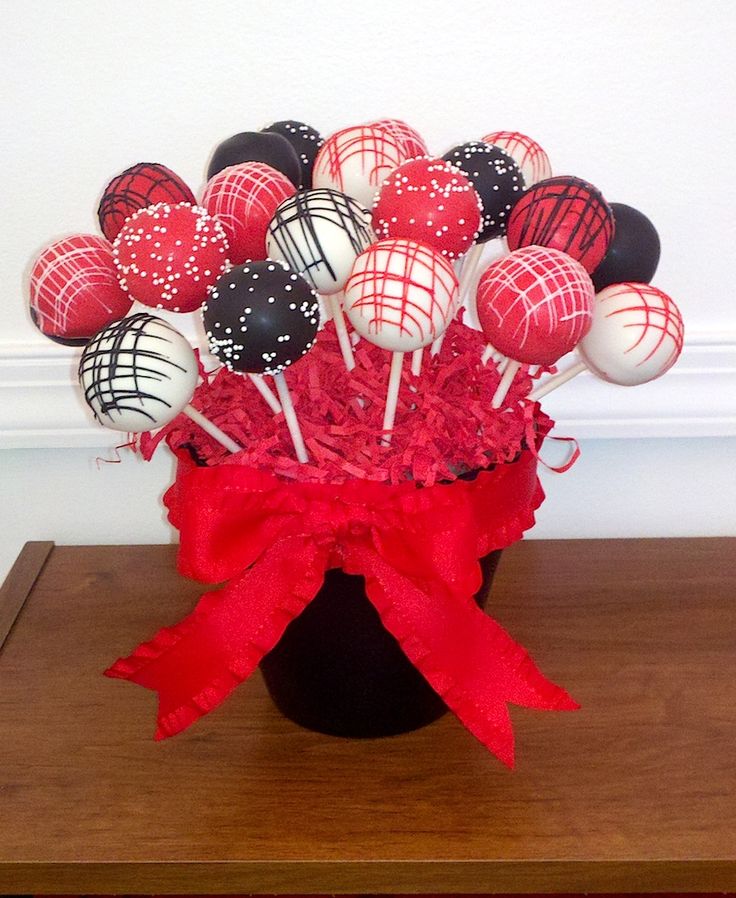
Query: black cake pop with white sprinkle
x=260, y=317
x=497, y=180
x=306, y=141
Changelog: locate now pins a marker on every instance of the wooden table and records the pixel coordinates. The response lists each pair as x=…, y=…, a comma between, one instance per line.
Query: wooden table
x=635, y=793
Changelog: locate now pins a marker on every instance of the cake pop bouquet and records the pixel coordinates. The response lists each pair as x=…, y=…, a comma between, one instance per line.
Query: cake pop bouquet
x=316, y=468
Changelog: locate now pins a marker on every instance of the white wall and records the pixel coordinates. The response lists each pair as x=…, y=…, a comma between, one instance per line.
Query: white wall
x=638, y=98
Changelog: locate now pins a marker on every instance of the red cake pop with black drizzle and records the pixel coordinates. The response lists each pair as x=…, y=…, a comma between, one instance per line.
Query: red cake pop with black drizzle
x=168, y=256
x=563, y=213
x=306, y=141
x=429, y=201
x=141, y=185
x=75, y=290
x=497, y=180
x=244, y=199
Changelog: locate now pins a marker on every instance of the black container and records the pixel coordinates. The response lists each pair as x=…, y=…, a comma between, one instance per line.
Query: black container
x=337, y=669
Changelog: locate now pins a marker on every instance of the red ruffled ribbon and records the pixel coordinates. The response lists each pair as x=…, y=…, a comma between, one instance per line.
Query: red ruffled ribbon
x=418, y=549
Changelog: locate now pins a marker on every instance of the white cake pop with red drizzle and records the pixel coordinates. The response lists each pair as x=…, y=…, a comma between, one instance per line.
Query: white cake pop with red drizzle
x=168, y=256
x=526, y=153
x=636, y=334
x=356, y=161
x=401, y=295
x=430, y=201
x=410, y=141
x=535, y=304
x=75, y=289
x=244, y=199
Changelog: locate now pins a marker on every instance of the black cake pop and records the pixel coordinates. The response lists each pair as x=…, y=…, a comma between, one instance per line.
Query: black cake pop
x=260, y=317
x=306, y=141
x=257, y=146
x=497, y=180
x=633, y=253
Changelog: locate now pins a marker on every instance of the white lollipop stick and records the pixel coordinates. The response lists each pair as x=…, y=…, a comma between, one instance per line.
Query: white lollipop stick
x=470, y=267
x=512, y=366
x=212, y=429
x=491, y=354
x=263, y=389
x=558, y=380
x=392, y=396
x=437, y=345
x=416, y=360
x=342, y=332
x=291, y=420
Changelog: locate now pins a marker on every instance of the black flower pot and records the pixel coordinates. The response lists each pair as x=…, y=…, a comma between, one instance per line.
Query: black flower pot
x=337, y=670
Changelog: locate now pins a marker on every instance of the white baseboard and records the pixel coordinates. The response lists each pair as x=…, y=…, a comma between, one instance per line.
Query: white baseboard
x=40, y=405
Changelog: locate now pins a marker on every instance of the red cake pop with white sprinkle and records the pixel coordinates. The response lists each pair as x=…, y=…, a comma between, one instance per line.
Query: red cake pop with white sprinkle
x=526, y=153
x=430, y=201
x=139, y=186
x=636, y=334
x=411, y=143
x=168, y=256
x=75, y=290
x=244, y=199
x=535, y=304
x=356, y=161
x=401, y=295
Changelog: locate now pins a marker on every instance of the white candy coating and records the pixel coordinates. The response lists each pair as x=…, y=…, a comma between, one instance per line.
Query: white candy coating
x=636, y=334
x=138, y=374
x=401, y=295
x=319, y=233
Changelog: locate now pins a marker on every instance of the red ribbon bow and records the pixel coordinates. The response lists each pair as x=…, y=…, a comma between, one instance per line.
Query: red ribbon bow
x=418, y=550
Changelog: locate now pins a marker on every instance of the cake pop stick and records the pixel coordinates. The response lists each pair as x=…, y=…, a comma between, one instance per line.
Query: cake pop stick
x=534, y=306
x=635, y=336
x=400, y=296
x=416, y=359
x=139, y=373
x=320, y=233
x=267, y=395
x=260, y=318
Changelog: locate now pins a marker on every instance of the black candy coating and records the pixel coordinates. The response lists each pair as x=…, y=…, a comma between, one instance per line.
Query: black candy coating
x=633, y=254
x=497, y=180
x=257, y=146
x=306, y=141
x=260, y=317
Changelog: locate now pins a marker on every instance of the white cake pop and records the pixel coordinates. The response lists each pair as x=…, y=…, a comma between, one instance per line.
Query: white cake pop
x=356, y=161
x=636, y=334
x=319, y=233
x=401, y=295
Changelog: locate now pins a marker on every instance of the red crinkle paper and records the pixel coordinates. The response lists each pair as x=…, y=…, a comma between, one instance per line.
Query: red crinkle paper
x=444, y=427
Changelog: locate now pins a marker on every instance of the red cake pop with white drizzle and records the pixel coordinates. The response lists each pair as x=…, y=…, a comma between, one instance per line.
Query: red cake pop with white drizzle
x=410, y=141
x=75, y=289
x=432, y=202
x=244, y=199
x=534, y=306
x=168, y=256
x=636, y=335
x=526, y=153
x=356, y=161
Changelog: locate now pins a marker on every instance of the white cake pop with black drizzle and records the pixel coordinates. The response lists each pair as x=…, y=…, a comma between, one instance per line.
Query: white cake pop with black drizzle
x=320, y=233
x=260, y=317
x=138, y=374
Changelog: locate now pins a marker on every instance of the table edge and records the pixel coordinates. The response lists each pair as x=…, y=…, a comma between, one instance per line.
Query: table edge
x=19, y=583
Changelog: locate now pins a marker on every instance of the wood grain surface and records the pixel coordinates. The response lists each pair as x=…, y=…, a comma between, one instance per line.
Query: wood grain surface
x=634, y=793
x=18, y=584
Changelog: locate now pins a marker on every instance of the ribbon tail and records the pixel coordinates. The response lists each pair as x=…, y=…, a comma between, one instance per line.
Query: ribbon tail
x=466, y=656
x=196, y=664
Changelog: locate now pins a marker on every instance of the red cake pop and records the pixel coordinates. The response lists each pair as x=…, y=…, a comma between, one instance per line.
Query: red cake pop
x=432, y=202
x=244, y=199
x=141, y=185
x=534, y=305
x=75, y=290
x=168, y=256
x=411, y=143
x=563, y=213
x=526, y=153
